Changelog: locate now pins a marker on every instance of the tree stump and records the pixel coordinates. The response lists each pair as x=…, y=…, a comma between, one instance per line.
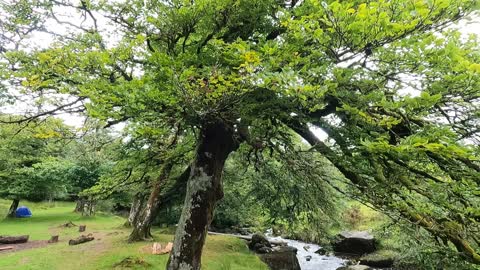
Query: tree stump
x=53, y=239
x=82, y=228
x=81, y=239
x=13, y=239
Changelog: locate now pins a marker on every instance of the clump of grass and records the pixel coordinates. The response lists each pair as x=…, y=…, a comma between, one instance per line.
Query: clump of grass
x=130, y=262
x=220, y=252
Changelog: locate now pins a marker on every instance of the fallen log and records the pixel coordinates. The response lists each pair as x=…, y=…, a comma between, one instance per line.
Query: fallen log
x=249, y=238
x=13, y=239
x=81, y=239
x=6, y=248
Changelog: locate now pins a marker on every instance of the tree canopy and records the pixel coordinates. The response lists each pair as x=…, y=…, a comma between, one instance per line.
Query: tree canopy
x=393, y=84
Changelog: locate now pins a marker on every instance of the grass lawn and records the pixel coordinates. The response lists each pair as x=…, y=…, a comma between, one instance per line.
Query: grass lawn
x=109, y=246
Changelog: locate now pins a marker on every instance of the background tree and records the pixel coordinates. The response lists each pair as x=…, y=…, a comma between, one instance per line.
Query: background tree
x=30, y=167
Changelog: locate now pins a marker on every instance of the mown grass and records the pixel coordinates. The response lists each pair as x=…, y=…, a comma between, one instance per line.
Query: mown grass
x=109, y=247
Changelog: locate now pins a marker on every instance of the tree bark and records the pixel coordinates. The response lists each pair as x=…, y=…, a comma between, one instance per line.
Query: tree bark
x=137, y=205
x=204, y=189
x=143, y=222
x=176, y=191
x=13, y=208
x=80, y=205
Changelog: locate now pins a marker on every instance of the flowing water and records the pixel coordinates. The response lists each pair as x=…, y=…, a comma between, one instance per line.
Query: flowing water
x=317, y=261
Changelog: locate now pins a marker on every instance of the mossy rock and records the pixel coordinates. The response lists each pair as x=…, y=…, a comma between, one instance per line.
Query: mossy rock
x=383, y=258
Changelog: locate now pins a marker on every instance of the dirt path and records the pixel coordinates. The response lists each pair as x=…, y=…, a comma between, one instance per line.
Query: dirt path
x=23, y=246
x=98, y=245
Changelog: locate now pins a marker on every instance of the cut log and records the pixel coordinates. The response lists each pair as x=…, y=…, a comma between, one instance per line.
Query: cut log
x=6, y=248
x=249, y=238
x=13, y=239
x=82, y=228
x=53, y=239
x=81, y=239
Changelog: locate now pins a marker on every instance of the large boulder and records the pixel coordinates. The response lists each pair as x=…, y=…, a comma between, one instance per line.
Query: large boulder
x=281, y=258
x=258, y=242
x=355, y=243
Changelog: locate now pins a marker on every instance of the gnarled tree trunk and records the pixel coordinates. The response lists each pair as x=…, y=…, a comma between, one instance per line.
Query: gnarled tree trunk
x=143, y=221
x=204, y=189
x=137, y=205
x=13, y=208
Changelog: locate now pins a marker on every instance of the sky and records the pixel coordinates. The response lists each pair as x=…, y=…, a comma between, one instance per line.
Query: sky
x=43, y=40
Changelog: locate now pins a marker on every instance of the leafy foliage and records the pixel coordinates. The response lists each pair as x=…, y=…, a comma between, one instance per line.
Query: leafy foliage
x=394, y=88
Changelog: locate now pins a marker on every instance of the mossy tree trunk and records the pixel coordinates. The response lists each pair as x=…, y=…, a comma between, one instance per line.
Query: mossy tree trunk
x=13, y=208
x=204, y=189
x=142, y=223
x=138, y=204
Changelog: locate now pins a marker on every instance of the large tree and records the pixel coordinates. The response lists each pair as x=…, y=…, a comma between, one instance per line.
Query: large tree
x=395, y=89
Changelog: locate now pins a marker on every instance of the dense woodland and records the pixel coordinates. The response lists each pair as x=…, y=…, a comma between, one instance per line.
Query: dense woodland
x=206, y=114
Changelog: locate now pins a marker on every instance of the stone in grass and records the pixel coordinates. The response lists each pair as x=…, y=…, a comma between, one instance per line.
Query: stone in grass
x=158, y=249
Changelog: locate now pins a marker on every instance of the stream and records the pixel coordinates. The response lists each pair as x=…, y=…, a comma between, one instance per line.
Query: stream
x=318, y=262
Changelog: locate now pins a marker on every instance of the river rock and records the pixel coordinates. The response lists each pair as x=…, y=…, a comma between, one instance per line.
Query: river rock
x=258, y=241
x=321, y=251
x=378, y=260
x=355, y=267
x=281, y=258
x=264, y=250
x=357, y=243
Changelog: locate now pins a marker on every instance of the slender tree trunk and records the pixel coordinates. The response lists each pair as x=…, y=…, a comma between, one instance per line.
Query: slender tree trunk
x=143, y=223
x=80, y=205
x=13, y=208
x=137, y=205
x=204, y=189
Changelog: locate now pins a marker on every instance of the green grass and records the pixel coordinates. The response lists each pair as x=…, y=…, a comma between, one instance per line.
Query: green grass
x=109, y=247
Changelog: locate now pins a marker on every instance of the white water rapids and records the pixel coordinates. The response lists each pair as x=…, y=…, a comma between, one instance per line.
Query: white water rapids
x=317, y=261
